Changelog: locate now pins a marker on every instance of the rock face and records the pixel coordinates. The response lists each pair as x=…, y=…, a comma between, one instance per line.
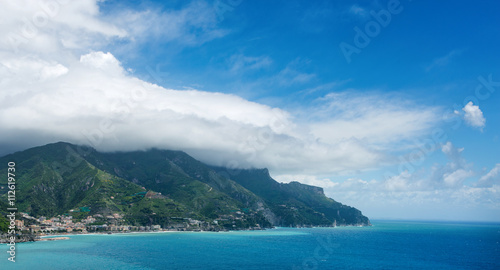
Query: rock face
x=296, y=204
x=316, y=190
x=161, y=186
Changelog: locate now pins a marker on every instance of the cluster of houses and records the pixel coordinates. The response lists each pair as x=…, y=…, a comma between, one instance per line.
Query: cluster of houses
x=64, y=223
x=115, y=223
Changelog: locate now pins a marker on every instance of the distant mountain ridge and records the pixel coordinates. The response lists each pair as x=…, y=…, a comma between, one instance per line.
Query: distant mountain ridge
x=61, y=178
x=297, y=204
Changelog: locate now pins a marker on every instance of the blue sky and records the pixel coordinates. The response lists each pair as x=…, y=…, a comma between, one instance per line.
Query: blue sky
x=390, y=106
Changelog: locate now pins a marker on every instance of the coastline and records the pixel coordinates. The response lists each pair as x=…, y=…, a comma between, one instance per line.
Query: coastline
x=55, y=238
x=67, y=236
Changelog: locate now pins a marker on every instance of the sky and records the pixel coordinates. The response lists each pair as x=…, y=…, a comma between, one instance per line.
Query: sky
x=391, y=106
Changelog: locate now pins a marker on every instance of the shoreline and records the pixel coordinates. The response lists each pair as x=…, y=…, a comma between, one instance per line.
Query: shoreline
x=55, y=238
x=67, y=236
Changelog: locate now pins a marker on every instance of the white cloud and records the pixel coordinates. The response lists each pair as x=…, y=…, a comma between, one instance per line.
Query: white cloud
x=456, y=178
x=444, y=60
x=443, y=193
x=50, y=72
x=305, y=179
x=50, y=26
x=292, y=74
x=96, y=102
x=407, y=196
x=454, y=154
x=105, y=62
x=58, y=93
x=474, y=116
x=357, y=10
x=194, y=24
x=398, y=183
x=239, y=62
x=380, y=121
x=491, y=178
x=464, y=203
x=453, y=173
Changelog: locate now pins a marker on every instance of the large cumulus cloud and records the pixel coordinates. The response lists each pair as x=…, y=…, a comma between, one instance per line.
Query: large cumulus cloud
x=57, y=83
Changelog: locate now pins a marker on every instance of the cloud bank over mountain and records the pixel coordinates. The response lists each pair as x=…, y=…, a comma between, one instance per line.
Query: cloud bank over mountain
x=53, y=90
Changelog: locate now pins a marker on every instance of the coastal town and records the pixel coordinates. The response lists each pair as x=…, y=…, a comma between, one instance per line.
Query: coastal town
x=31, y=228
x=65, y=224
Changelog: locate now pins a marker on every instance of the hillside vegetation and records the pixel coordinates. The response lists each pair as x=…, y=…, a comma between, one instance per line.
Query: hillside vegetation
x=161, y=187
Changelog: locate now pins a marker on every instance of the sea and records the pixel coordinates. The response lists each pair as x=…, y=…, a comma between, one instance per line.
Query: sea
x=385, y=245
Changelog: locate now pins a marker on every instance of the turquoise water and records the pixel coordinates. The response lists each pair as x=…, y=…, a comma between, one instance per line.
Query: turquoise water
x=386, y=245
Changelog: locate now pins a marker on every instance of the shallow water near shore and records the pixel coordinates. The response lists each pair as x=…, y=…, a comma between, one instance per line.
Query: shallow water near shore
x=386, y=245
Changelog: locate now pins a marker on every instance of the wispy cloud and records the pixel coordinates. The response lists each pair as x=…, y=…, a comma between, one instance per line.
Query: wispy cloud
x=381, y=121
x=444, y=60
x=240, y=62
x=327, y=87
x=293, y=74
x=446, y=187
x=491, y=178
x=194, y=24
x=358, y=11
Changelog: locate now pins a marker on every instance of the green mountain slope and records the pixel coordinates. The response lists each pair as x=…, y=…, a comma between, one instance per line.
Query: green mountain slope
x=4, y=222
x=57, y=178
x=296, y=204
x=162, y=187
x=50, y=182
x=183, y=179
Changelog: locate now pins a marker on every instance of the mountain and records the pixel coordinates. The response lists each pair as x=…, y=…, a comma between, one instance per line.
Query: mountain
x=296, y=204
x=4, y=222
x=53, y=180
x=163, y=187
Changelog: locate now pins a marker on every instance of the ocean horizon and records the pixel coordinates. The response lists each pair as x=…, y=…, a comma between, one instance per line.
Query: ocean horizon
x=388, y=244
